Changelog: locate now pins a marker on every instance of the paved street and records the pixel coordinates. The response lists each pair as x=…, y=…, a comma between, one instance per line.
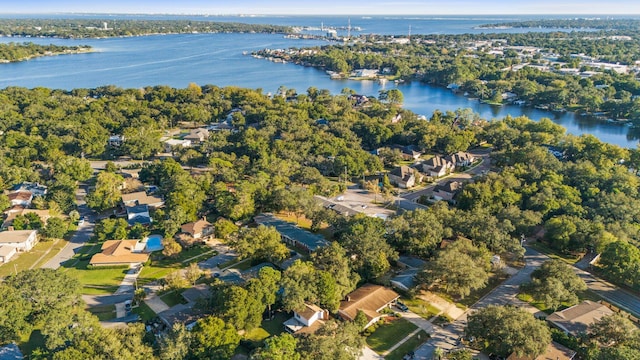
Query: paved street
x=447, y=337
x=80, y=237
x=614, y=295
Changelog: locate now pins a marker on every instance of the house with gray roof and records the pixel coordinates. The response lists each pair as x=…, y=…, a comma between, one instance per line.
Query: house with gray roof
x=577, y=319
x=292, y=234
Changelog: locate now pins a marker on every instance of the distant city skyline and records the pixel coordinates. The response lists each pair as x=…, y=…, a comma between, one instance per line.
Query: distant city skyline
x=328, y=7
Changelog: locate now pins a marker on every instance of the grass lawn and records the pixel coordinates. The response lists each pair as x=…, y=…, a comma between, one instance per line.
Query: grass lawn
x=413, y=343
x=97, y=281
x=582, y=295
x=23, y=261
x=160, y=268
x=421, y=307
x=242, y=265
x=144, y=311
x=258, y=334
x=305, y=223
x=389, y=334
x=173, y=298
x=274, y=326
x=104, y=313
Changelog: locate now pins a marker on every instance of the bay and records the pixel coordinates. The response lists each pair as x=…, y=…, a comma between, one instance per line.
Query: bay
x=177, y=60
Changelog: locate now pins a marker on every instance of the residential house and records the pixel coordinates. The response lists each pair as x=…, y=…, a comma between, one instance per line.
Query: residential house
x=577, y=319
x=116, y=140
x=461, y=159
x=11, y=215
x=200, y=229
x=405, y=280
x=447, y=191
x=193, y=294
x=370, y=299
x=554, y=351
x=197, y=136
x=21, y=240
x=141, y=198
x=404, y=177
x=409, y=152
x=120, y=252
x=34, y=188
x=292, y=234
x=437, y=166
x=307, y=320
x=365, y=73
x=170, y=144
x=21, y=198
x=138, y=214
x=6, y=253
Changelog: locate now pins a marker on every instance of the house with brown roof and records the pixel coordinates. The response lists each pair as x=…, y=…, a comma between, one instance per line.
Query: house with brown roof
x=44, y=215
x=554, y=351
x=120, y=252
x=200, y=229
x=21, y=240
x=20, y=198
x=306, y=321
x=370, y=299
x=437, y=166
x=577, y=319
x=197, y=136
x=404, y=177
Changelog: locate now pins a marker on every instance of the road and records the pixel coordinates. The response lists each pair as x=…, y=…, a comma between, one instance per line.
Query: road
x=463, y=176
x=80, y=237
x=447, y=337
x=612, y=294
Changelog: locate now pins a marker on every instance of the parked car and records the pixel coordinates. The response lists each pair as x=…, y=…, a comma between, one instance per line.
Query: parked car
x=81, y=222
x=402, y=306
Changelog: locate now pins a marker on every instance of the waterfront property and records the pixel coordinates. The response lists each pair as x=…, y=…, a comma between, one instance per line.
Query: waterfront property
x=292, y=234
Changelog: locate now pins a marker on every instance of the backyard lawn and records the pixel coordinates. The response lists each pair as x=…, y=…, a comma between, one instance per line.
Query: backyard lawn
x=389, y=334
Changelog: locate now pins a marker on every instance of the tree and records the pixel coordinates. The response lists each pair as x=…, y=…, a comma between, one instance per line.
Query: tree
x=176, y=344
x=141, y=142
x=213, y=339
x=77, y=169
x=503, y=330
x=4, y=202
x=619, y=262
x=48, y=291
x=175, y=281
x=14, y=312
x=333, y=260
x=171, y=248
x=459, y=268
x=416, y=232
x=392, y=96
x=613, y=330
x=56, y=228
x=192, y=273
x=555, y=283
x=107, y=191
x=299, y=285
x=263, y=242
x=224, y=228
x=282, y=347
x=334, y=341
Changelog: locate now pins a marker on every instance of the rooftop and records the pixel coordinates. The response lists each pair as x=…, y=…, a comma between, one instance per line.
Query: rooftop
x=291, y=231
x=195, y=227
x=576, y=319
x=369, y=298
x=119, y=252
x=141, y=198
x=554, y=351
x=16, y=236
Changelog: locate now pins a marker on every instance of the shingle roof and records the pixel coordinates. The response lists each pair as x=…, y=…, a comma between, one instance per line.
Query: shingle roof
x=310, y=240
x=576, y=319
x=118, y=252
x=141, y=198
x=368, y=298
x=195, y=227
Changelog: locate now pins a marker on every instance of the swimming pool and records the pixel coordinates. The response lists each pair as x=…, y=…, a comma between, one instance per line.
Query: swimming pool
x=154, y=243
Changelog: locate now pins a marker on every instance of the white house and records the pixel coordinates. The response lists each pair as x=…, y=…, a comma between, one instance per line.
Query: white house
x=304, y=320
x=170, y=144
x=6, y=253
x=21, y=240
x=20, y=198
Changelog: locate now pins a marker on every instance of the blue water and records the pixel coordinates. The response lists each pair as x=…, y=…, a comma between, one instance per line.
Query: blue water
x=177, y=60
x=154, y=243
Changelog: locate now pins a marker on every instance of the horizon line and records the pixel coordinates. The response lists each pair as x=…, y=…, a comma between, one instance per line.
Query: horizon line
x=315, y=15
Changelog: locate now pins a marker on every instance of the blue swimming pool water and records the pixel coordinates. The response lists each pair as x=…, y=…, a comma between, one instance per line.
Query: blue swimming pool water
x=154, y=243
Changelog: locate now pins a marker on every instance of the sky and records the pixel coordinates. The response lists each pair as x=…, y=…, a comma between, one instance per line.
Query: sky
x=326, y=7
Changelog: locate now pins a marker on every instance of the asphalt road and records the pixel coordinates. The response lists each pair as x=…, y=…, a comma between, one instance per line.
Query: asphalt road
x=612, y=294
x=81, y=236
